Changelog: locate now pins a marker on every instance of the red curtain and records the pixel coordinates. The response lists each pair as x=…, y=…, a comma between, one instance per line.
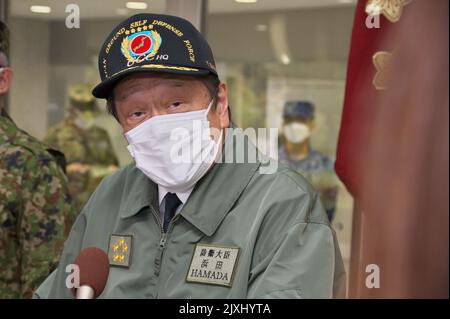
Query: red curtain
x=393, y=150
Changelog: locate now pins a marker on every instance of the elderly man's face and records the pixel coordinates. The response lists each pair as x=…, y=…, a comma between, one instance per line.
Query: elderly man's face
x=140, y=97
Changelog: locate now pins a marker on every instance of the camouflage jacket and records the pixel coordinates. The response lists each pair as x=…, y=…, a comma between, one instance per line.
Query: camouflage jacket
x=90, y=146
x=318, y=170
x=36, y=212
x=82, y=145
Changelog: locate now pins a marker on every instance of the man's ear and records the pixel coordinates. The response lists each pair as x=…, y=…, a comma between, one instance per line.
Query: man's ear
x=6, y=77
x=222, y=106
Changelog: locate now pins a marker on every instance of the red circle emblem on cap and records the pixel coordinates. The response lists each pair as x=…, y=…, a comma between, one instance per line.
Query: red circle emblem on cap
x=141, y=44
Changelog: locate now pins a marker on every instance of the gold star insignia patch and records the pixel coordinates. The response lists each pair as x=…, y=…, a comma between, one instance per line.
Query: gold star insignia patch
x=119, y=250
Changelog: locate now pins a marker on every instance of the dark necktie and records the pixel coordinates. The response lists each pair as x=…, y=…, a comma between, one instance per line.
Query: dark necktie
x=171, y=204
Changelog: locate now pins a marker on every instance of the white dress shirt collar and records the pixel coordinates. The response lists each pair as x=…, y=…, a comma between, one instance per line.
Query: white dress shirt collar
x=183, y=196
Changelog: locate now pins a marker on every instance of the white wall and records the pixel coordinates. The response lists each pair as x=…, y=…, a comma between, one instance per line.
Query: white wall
x=29, y=58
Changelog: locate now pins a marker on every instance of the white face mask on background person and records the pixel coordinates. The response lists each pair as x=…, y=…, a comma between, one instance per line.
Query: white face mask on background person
x=174, y=150
x=296, y=132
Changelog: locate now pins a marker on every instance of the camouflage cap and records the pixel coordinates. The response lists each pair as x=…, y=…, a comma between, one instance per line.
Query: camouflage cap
x=80, y=97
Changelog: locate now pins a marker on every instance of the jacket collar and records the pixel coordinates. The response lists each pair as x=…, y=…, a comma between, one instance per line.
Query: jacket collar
x=7, y=126
x=139, y=192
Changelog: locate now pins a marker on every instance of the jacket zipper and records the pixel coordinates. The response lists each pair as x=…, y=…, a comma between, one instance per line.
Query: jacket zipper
x=163, y=240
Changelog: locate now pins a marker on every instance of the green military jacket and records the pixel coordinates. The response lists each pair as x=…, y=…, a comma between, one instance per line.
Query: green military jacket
x=241, y=234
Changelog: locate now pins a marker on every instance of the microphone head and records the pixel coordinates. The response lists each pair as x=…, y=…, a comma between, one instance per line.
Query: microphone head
x=94, y=269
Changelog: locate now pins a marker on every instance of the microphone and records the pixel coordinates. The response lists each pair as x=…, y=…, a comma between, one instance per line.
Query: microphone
x=93, y=264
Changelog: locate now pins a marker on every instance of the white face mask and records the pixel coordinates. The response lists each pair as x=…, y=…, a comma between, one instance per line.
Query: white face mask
x=174, y=150
x=296, y=132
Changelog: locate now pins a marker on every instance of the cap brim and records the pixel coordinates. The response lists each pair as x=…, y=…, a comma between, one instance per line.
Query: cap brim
x=103, y=90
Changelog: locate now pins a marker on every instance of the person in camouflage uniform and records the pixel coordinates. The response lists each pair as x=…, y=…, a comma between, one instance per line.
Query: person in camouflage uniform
x=36, y=211
x=88, y=149
x=296, y=151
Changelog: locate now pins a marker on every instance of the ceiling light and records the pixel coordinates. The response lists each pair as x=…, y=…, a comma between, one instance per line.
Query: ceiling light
x=136, y=5
x=121, y=11
x=246, y=1
x=40, y=9
x=285, y=59
x=261, y=27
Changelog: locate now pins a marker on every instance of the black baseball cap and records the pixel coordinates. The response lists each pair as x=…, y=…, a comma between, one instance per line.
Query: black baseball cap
x=152, y=43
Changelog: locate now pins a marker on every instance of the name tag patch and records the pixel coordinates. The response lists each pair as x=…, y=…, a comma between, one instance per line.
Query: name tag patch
x=119, y=251
x=213, y=264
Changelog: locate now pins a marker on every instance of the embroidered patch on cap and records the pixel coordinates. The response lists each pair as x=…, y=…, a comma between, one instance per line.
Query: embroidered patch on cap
x=141, y=46
x=213, y=264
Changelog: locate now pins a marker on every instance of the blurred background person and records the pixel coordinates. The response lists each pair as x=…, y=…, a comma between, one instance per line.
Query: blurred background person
x=87, y=146
x=296, y=151
x=36, y=212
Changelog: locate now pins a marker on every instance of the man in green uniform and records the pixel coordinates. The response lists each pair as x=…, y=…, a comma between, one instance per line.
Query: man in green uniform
x=35, y=208
x=192, y=217
x=296, y=152
x=87, y=147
